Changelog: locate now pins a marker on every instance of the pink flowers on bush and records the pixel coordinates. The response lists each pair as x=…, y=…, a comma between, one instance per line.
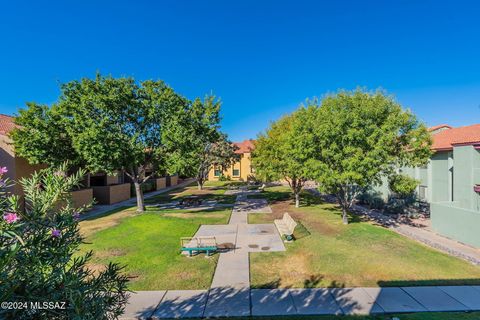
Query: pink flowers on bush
x=3, y=170
x=10, y=217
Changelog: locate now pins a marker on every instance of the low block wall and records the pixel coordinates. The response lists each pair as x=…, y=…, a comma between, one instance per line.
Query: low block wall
x=161, y=183
x=111, y=194
x=82, y=197
x=173, y=180
x=456, y=223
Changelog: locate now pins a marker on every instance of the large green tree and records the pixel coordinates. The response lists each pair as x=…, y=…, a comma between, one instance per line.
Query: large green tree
x=286, y=151
x=105, y=124
x=363, y=136
x=42, y=136
x=116, y=123
x=199, y=145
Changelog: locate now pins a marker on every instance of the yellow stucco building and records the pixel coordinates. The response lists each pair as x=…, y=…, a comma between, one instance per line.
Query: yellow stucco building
x=242, y=169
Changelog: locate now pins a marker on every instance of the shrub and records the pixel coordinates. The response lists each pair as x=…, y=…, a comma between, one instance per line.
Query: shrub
x=39, y=259
x=224, y=178
x=371, y=198
x=402, y=185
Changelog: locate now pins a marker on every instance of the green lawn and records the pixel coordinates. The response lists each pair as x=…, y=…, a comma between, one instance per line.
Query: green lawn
x=148, y=244
x=330, y=254
x=212, y=190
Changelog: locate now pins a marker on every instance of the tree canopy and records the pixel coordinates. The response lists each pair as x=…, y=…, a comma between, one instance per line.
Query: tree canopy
x=199, y=144
x=107, y=124
x=286, y=151
x=362, y=136
x=42, y=136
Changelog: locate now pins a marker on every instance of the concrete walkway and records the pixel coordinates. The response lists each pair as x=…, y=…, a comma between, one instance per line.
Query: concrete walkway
x=101, y=209
x=229, y=294
x=289, y=302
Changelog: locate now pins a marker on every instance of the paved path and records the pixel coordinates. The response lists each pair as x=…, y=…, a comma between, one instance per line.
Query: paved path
x=101, y=209
x=285, y=302
x=229, y=293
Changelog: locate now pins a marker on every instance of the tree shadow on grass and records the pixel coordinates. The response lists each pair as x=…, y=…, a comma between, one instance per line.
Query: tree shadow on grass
x=308, y=199
x=105, y=214
x=311, y=282
x=352, y=216
x=300, y=231
x=272, y=196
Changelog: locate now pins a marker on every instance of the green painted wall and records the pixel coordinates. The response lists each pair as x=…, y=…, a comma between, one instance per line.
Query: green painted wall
x=382, y=190
x=466, y=161
x=458, y=219
x=439, y=177
x=456, y=223
x=449, y=179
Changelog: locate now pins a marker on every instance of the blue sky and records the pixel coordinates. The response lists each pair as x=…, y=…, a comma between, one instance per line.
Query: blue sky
x=262, y=58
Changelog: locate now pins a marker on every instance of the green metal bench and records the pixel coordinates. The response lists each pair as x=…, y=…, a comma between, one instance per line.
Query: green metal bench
x=198, y=244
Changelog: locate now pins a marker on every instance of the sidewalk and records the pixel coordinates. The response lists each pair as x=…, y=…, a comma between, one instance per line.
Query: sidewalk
x=101, y=209
x=229, y=294
x=321, y=301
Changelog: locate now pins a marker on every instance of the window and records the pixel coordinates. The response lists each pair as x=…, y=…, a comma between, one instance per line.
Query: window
x=217, y=172
x=236, y=172
x=422, y=192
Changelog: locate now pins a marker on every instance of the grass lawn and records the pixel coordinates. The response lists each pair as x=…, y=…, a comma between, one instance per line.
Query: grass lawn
x=330, y=254
x=148, y=243
x=212, y=190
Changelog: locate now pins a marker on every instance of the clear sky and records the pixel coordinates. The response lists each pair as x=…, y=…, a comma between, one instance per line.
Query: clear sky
x=262, y=58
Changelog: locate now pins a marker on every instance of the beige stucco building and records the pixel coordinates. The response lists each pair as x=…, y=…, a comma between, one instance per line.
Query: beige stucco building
x=18, y=167
x=242, y=169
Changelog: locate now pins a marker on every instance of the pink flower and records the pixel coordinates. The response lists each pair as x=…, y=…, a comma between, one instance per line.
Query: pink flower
x=3, y=170
x=56, y=233
x=10, y=217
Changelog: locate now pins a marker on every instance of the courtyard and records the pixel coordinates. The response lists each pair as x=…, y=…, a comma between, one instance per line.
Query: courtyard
x=357, y=261
x=325, y=254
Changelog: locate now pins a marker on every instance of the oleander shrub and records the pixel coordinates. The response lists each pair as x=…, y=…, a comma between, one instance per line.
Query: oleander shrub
x=39, y=258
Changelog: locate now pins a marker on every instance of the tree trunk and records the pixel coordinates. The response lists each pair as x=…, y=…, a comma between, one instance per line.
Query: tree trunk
x=344, y=215
x=297, y=199
x=139, y=194
x=200, y=184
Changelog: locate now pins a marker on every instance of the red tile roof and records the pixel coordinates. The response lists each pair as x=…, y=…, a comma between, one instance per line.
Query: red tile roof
x=244, y=146
x=446, y=139
x=6, y=124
